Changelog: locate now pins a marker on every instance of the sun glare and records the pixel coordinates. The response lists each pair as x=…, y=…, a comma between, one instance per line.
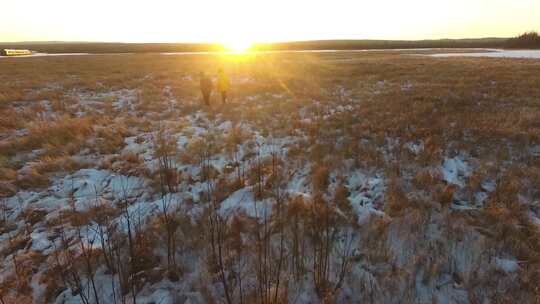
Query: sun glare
x=237, y=46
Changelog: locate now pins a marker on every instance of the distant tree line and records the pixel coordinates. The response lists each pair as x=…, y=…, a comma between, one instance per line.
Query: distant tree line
x=97, y=47
x=526, y=40
x=111, y=47
x=383, y=44
x=530, y=40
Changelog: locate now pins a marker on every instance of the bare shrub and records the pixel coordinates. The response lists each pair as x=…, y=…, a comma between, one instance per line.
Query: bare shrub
x=396, y=200
x=425, y=179
x=110, y=139
x=165, y=150
x=319, y=178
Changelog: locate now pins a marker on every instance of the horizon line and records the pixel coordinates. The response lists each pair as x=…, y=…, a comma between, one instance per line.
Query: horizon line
x=254, y=43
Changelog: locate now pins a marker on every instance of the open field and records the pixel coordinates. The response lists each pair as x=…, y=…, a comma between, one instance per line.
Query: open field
x=361, y=177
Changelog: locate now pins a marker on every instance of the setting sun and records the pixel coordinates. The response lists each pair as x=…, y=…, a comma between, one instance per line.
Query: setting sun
x=238, y=46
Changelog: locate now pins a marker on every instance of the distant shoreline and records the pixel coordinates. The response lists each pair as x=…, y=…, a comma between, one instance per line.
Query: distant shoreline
x=262, y=52
x=320, y=45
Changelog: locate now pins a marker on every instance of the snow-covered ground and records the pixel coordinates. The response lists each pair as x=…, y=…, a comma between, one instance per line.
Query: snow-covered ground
x=532, y=54
x=409, y=221
x=47, y=55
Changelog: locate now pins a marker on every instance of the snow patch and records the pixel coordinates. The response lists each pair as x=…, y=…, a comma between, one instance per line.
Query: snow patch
x=455, y=170
x=532, y=54
x=364, y=192
x=506, y=265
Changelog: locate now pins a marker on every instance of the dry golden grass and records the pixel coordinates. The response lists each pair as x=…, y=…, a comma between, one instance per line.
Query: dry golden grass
x=57, y=139
x=32, y=179
x=473, y=95
x=9, y=120
x=62, y=135
x=480, y=106
x=110, y=137
x=396, y=200
x=16, y=288
x=319, y=178
x=424, y=179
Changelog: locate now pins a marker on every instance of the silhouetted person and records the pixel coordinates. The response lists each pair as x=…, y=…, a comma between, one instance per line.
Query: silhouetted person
x=223, y=85
x=206, y=87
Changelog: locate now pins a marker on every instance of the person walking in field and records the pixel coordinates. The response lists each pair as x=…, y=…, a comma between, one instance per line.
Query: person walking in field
x=206, y=87
x=224, y=85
